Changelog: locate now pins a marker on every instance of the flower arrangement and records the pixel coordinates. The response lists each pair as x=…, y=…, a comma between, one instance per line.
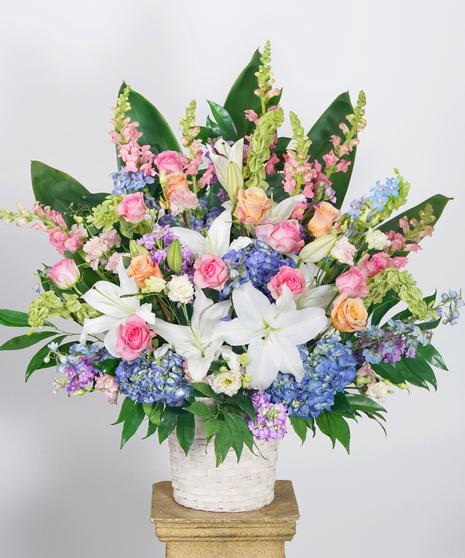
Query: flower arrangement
x=226, y=269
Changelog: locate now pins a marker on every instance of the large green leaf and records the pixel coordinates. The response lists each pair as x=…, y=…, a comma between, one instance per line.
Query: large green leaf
x=241, y=97
x=236, y=431
x=23, y=341
x=381, y=309
x=200, y=409
x=389, y=372
x=431, y=355
x=56, y=189
x=320, y=135
x=185, y=431
x=438, y=202
x=224, y=121
x=155, y=130
x=37, y=361
x=421, y=368
x=335, y=427
x=364, y=403
x=410, y=374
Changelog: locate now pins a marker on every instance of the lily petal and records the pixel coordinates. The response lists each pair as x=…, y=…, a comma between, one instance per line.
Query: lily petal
x=265, y=362
x=292, y=363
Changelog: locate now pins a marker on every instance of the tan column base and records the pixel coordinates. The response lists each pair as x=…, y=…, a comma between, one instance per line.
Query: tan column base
x=198, y=534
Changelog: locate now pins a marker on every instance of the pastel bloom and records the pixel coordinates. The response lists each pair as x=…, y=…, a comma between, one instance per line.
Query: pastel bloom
x=180, y=289
x=322, y=221
x=57, y=239
x=132, y=208
x=176, y=182
x=228, y=382
x=141, y=268
x=293, y=278
x=113, y=261
x=349, y=314
x=108, y=385
x=299, y=210
x=330, y=159
x=133, y=337
x=210, y=272
x=353, y=283
x=270, y=164
x=170, y=162
x=283, y=237
x=64, y=274
x=130, y=133
x=343, y=251
x=181, y=200
x=378, y=391
x=227, y=160
x=252, y=204
x=318, y=249
x=376, y=240
x=342, y=165
x=397, y=241
x=371, y=266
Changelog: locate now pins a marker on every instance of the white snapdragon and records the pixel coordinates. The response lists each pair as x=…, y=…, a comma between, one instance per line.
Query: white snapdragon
x=180, y=289
x=376, y=240
x=378, y=391
x=228, y=382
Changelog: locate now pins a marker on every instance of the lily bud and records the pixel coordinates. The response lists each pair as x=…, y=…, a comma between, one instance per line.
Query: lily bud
x=174, y=257
x=318, y=249
x=234, y=180
x=136, y=249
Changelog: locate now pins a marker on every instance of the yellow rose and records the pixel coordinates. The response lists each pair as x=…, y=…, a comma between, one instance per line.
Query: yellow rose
x=322, y=222
x=252, y=204
x=349, y=314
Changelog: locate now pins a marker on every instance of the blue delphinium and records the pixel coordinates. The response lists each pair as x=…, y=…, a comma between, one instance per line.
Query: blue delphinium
x=127, y=182
x=328, y=370
x=148, y=380
x=256, y=263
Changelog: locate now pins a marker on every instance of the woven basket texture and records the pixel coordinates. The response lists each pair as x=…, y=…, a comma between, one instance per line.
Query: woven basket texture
x=232, y=487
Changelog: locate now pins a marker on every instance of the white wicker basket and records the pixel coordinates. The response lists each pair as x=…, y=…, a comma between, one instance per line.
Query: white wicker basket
x=232, y=487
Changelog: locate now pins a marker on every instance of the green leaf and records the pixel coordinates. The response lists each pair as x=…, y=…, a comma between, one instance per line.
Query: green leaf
x=380, y=310
x=241, y=97
x=223, y=441
x=299, y=426
x=431, y=355
x=322, y=421
x=236, y=431
x=247, y=435
x=246, y=405
x=92, y=200
x=132, y=422
x=37, y=360
x=157, y=413
x=342, y=406
x=107, y=366
x=12, y=318
x=212, y=130
x=167, y=424
x=151, y=429
x=335, y=427
x=23, y=341
x=155, y=130
x=185, y=431
x=56, y=189
x=364, y=403
x=200, y=409
x=438, y=202
x=126, y=410
x=204, y=390
x=320, y=134
x=212, y=426
x=389, y=372
x=421, y=368
x=224, y=121
x=410, y=375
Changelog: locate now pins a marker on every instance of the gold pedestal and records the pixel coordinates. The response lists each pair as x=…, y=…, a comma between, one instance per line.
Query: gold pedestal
x=199, y=534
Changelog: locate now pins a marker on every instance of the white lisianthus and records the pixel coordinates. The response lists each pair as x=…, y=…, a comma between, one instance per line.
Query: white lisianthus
x=343, y=251
x=378, y=391
x=376, y=240
x=228, y=382
x=180, y=289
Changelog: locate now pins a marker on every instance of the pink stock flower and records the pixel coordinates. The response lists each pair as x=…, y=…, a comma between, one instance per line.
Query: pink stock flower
x=291, y=277
x=299, y=210
x=109, y=387
x=283, y=237
x=181, y=200
x=171, y=161
x=132, y=208
x=269, y=167
x=130, y=133
x=344, y=251
x=64, y=274
x=251, y=115
x=330, y=159
x=113, y=261
x=207, y=176
x=210, y=272
x=129, y=154
x=98, y=245
x=57, y=239
x=133, y=338
x=353, y=283
x=397, y=241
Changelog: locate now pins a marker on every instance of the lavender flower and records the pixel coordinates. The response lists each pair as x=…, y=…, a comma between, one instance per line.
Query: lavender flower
x=270, y=423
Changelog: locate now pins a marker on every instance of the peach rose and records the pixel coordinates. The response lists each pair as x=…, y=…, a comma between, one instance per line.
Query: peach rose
x=349, y=314
x=175, y=182
x=142, y=268
x=252, y=204
x=322, y=222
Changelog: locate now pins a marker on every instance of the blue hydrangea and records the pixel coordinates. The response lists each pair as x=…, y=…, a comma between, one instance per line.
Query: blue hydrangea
x=256, y=263
x=149, y=380
x=124, y=182
x=328, y=370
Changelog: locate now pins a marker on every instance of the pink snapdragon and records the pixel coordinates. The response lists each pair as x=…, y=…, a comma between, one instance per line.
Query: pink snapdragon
x=283, y=237
x=299, y=210
x=71, y=241
x=133, y=338
x=180, y=200
x=397, y=241
x=330, y=159
x=207, y=176
x=109, y=387
x=132, y=208
x=130, y=133
x=293, y=278
x=353, y=282
x=210, y=272
x=47, y=214
x=270, y=164
x=252, y=116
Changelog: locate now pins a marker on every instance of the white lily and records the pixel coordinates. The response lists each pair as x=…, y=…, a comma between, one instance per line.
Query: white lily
x=272, y=332
x=228, y=166
x=197, y=342
x=217, y=241
x=279, y=212
x=108, y=298
x=317, y=295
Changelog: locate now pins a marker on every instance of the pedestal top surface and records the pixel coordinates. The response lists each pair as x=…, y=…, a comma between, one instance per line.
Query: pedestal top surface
x=165, y=510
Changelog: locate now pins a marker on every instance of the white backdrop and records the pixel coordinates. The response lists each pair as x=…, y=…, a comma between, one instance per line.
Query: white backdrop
x=65, y=487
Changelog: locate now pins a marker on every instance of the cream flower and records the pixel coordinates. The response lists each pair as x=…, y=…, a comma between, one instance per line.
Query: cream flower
x=376, y=240
x=180, y=289
x=228, y=382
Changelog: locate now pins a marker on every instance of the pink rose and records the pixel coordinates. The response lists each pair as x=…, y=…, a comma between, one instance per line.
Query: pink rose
x=283, y=237
x=133, y=338
x=211, y=272
x=132, y=208
x=64, y=274
x=170, y=161
x=353, y=283
x=289, y=276
x=372, y=266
